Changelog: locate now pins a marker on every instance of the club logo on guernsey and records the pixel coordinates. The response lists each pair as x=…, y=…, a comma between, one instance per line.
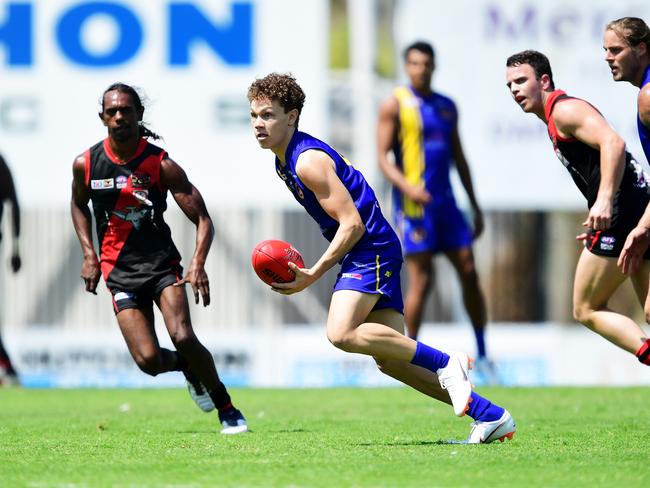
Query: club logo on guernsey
x=106, y=184
x=137, y=216
x=446, y=114
x=642, y=178
x=418, y=234
x=291, y=183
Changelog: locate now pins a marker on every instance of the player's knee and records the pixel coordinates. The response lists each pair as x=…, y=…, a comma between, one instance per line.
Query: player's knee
x=183, y=338
x=342, y=340
x=582, y=313
x=148, y=362
x=468, y=274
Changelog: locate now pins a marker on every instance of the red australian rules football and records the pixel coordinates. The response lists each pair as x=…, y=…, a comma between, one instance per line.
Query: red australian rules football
x=271, y=260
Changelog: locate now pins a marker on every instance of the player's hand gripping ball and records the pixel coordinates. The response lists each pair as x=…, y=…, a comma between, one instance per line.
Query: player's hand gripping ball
x=271, y=260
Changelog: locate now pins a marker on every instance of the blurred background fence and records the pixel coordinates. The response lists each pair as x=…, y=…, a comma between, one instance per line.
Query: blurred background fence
x=526, y=261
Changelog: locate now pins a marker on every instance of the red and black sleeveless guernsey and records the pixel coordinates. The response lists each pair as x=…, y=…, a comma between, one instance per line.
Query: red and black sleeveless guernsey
x=136, y=247
x=583, y=162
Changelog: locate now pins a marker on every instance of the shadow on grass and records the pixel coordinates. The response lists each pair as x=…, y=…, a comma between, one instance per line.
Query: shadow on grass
x=399, y=443
x=268, y=431
x=290, y=431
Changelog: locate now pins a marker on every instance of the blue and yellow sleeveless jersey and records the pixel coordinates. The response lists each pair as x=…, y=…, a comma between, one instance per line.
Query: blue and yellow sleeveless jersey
x=379, y=238
x=423, y=148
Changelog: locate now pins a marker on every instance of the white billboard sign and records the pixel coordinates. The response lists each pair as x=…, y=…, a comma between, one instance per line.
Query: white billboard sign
x=511, y=157
x=194, y=60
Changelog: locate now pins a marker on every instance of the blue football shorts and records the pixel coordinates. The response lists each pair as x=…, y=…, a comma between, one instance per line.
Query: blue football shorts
x=442, y=228
x=373, y=274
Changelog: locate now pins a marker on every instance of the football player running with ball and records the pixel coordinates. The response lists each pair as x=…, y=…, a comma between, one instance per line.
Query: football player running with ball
x=127, y=179
x=366, y=311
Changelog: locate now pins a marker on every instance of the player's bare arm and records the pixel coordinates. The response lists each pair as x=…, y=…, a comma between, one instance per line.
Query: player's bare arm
x=386, y=134
x=638, y=240
x=576, y=118
x=636, y=244
x=82, y=221
x=191, y=203
x=644, y=105
x=316, y=171
x=466, y=179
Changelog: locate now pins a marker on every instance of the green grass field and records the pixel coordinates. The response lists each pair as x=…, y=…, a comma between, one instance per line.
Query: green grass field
x=392, y=437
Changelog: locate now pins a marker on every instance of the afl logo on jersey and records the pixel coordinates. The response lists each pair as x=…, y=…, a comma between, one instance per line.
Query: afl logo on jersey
x=121, y=182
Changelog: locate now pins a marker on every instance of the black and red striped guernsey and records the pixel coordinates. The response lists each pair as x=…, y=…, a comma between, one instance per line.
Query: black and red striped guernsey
x=583, y=163
x=128, y=202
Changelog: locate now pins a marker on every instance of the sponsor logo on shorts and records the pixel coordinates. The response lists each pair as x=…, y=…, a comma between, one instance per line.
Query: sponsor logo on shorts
x=363, y=265
x=123, y=295
x=607, y=243
x=121, y=181
x=106, y=184
x=354, y=276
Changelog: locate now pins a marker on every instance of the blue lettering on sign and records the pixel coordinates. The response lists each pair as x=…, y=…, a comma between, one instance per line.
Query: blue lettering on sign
x=525, y=25
x=187, y=25
x=68, y=34
x=533, y=21
x=16, y=35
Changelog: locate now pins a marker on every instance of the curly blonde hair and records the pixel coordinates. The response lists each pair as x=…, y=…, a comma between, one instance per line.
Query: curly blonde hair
x=280, y=87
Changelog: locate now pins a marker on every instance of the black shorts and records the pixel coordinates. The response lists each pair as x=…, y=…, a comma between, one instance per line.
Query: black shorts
x=144, y=296
x=609, y=242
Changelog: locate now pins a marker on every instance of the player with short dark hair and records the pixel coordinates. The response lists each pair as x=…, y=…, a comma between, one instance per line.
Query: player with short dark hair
x=420, y=128
x=614, y=185
x=127, y=179
x=8, y=374
x=365, y=314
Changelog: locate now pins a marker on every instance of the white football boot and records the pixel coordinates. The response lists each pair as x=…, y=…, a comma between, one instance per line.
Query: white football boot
x=454, y=378
x=486, y=432
x=233, y=422
x=200, y=396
